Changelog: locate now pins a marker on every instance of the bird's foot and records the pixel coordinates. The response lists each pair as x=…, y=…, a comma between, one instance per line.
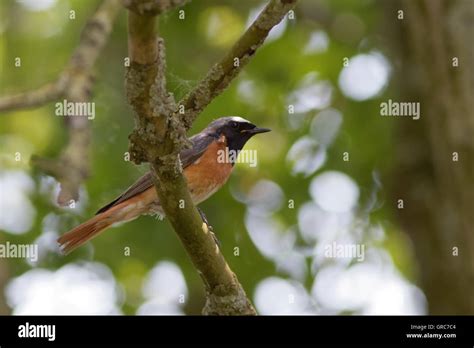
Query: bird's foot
x=209, y=227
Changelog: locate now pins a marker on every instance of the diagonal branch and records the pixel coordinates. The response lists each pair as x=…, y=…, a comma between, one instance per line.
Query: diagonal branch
x=30, y=99
x=159, y=135
x=157, y=139
x=74, y=84
x=223, y=72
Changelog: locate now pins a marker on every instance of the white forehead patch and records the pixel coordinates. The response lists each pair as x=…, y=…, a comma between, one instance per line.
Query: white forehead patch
x=239, y=119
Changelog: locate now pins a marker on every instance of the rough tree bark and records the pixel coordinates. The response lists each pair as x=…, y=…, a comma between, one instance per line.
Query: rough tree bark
x=160, y=134
x=437, y=189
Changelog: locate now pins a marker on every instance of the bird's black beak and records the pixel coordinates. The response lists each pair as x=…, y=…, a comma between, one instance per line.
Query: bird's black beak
x=257, y=130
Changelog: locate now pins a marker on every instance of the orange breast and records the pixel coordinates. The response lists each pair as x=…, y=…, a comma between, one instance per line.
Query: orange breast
x=208, y=174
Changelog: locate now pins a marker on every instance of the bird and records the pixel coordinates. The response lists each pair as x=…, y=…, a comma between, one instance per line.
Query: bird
x=204, y=168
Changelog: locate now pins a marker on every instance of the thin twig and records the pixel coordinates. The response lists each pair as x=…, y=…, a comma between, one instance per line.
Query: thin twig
x=223, y=72
x=34, y=98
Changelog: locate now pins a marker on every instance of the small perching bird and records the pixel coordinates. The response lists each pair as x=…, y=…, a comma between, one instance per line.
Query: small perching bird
x=204, y=169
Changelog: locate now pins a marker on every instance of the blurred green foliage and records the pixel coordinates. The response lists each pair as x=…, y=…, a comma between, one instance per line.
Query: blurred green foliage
x=45, y=39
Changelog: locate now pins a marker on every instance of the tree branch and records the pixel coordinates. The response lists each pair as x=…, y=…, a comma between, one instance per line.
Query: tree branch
x=160, y=134
x=223, y=72
x=73, y=84
x=34, y=98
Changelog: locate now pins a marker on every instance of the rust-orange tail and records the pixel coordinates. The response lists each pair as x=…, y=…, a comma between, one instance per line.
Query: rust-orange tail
x=83, y=233
x=91, y=228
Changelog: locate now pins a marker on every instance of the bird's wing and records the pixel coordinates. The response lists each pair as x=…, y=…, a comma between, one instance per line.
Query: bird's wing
x=200, y=142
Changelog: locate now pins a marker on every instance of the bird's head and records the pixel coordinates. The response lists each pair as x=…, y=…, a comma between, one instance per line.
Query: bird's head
x=236, y=130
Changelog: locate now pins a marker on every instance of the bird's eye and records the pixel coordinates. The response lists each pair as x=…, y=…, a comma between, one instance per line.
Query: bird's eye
x=234, y=125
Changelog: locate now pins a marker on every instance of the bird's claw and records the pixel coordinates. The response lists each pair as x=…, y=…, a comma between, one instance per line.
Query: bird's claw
x=209, y=227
